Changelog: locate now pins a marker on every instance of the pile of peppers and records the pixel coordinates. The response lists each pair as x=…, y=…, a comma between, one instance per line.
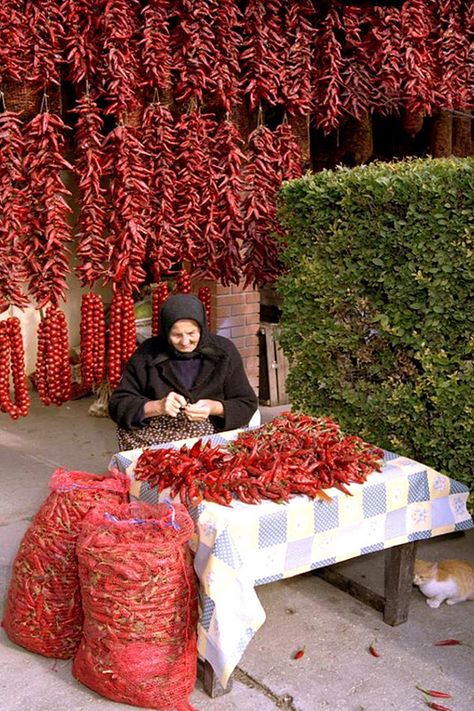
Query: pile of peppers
x=293, y=454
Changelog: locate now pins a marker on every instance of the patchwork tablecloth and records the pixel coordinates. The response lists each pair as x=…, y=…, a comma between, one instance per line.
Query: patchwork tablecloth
x=239, y=547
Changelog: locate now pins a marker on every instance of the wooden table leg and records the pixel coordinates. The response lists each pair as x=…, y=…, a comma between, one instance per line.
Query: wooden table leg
x=210, y=682
x=399, y=565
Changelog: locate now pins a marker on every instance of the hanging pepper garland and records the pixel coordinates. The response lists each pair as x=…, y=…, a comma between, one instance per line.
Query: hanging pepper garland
x=359, y=90
x=122, y=336
x=204, y=295
x=225, y=70
x=15, y=42
x=419, y=82
x=263, y=51
x=328, y=64
x=159, y=145
x=156, y=62
x=48, y=227
x=158, y=298
x=195, y=186
x=13, y=211
x=92, y=340
x=273, y=157
x=387, y=59
x=53, y=370
x=92, y=251
x=12, y=358
x=128, y=197
x=193, y=48
x=120, y=52
x=229, y=160
x=46, y=22
x=183, y=282
x=454, y=51
x=296, y=76
x=82, y=46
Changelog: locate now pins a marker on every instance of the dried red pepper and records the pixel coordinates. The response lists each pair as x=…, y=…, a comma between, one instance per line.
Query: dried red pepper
x=158, y=298
x=139, y=598
x=447, y=643
x=359, y=91
x=12, y=358
x=83, y=42
x=264, y=47
x=436, y=694
x=46, y=23
x=43, y=612
x=128, y=221
x=373, y=651
x=53, y=370
x=92, y=249
x=92, y=340
x=195, y=189
x=49, y=230
x=13, y=208
x=204, y=295
x=298, y=654
x=122, y=336
x=159, y=145
x=120, y=22
x=229, y=159
x=16, y=48
x=437, y=707
x=183, y=282
x=156, y=62
x=291, y=455
x=328, y=65
x=297, y=70
x=387, y=58
x=419, y=81
x=454, y=48
x=273, y=157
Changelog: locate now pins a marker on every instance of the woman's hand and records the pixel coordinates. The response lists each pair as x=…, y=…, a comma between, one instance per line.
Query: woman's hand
x=169, y=405
x=201, y=410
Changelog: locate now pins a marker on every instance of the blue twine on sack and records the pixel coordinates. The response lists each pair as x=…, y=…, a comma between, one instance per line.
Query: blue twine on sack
x=173, y=521
x=111, y=517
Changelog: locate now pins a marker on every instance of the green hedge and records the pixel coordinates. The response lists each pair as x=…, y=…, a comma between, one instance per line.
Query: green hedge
x=378, y=305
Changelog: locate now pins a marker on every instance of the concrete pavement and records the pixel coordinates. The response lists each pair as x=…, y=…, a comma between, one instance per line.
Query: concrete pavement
x=335, y=630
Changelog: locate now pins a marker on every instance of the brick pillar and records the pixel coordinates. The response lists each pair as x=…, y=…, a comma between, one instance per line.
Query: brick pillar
x=236, y=315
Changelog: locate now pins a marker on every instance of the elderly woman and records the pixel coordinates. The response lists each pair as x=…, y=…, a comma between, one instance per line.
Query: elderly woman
x=183, y=383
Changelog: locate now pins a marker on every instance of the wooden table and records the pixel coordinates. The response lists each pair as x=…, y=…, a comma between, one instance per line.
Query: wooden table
x=242, y=546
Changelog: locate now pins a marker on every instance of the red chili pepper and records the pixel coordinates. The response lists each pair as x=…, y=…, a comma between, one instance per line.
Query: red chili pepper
x=373, y=651
x=447, y=643
x=438, y=707
x=298, y=654
x=434, y=693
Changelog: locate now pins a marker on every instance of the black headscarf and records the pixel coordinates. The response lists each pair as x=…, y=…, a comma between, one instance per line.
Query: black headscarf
x=183, y=306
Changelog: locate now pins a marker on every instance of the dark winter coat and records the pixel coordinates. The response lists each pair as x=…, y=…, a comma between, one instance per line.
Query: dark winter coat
x=149, y=375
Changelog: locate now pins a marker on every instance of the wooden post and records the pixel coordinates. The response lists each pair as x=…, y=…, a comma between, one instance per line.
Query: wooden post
x=442, y=135
x=210, y=682
x=399, y=565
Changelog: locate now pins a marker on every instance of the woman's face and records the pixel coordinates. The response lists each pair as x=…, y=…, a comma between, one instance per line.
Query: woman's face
x=185, y=335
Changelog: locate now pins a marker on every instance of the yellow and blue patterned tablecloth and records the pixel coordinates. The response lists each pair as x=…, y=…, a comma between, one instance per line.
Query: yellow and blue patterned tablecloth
x=239, y=547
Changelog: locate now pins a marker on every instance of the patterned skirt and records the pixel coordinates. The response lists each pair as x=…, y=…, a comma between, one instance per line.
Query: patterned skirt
x=163, y=429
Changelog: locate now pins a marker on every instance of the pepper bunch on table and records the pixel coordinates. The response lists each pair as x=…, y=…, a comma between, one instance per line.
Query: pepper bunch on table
x=293, y=454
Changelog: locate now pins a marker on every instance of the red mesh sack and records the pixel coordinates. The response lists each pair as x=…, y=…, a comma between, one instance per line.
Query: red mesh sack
x=43, y=612
x=139, y=596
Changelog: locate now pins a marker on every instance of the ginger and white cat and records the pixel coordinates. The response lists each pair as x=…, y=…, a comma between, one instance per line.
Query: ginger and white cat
x=450, y=580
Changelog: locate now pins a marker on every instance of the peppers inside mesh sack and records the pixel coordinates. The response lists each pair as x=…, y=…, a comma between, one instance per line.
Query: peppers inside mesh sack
x=139, y=596
x=43, y=611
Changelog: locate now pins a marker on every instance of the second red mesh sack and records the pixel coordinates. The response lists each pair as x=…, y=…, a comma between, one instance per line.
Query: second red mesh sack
x=43, y=612
x=139, y=597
